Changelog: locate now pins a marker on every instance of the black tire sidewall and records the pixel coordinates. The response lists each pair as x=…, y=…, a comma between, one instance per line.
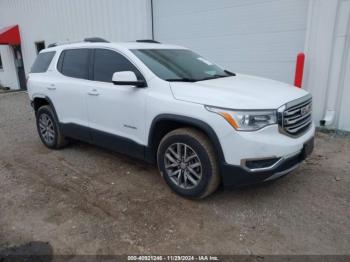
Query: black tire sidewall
x=207, y=168
x=47, y=111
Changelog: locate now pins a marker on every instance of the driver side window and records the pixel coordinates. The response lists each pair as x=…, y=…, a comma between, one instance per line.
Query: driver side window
x=107, y=62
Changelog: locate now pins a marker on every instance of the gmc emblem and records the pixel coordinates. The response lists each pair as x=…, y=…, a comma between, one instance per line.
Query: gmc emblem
x=305, y=110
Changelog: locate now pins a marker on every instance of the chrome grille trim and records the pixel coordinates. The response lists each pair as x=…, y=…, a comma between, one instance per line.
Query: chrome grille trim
x=295, y=129
x=293, y=120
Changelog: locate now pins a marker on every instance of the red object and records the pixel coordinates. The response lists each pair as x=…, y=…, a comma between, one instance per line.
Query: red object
x=299, y=71
x=10, y=35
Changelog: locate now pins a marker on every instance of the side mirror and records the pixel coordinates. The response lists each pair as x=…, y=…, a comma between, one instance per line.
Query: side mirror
x=127, y=78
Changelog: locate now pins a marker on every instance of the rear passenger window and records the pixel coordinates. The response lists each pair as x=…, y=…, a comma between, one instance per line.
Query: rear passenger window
x=42, y=62
x=75, y=63
x=107, y=62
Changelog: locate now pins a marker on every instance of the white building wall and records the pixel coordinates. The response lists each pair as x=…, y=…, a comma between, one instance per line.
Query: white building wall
x=60, y=20
x=344, y=106
x=8, y=74
x=327, y=69
x=338, y=95
x=258, y=37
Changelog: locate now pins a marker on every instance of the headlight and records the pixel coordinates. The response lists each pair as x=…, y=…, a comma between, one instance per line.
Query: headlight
x=246, y=120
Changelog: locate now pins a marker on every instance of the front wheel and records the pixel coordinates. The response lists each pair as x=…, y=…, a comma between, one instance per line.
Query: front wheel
x=188, y=163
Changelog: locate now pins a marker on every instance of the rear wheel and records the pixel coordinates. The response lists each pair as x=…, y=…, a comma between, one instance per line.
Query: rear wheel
x=188, y=163
x=48, y=128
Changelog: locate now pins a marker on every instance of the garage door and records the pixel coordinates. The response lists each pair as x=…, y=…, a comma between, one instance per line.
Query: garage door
x=259, y=37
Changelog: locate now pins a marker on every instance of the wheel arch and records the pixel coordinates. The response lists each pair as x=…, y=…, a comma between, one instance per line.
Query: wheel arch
x=165, y=123
x=40, y=101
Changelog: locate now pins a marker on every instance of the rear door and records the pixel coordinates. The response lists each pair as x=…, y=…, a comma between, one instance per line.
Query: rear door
x=116, y=113
x=40, y=77
x=69, y=90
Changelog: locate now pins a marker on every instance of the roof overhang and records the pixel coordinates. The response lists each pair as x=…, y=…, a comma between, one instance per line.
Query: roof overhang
x=10, y=35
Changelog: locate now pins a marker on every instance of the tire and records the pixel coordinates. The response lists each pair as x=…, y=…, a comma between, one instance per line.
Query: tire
x=200, y=158
x=48, y=128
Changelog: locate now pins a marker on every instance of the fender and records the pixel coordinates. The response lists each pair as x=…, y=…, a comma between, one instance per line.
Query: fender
x=189, y=121
x=49, y=101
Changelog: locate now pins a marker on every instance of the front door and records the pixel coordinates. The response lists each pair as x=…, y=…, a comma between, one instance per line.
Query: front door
x=116, y=113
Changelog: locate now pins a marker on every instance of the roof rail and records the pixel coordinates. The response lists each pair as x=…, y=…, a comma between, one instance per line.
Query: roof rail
x=52, y=45
x=63, y=43
x=95, y=40
x=89, y=40
x=148, y=41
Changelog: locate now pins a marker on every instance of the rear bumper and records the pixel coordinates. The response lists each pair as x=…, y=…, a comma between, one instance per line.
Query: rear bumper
x=237, y=176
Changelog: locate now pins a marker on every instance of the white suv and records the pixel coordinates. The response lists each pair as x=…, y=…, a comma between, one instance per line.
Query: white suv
x=204, y=126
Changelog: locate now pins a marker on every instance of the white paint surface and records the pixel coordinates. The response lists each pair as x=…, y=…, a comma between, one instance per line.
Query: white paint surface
x=8, y=74
x=258, y=37
x=327, y=67
x=339, y=85
x=60, y=20
x=344, y=112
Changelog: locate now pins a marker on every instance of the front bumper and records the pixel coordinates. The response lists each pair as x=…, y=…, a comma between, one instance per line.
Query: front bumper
x=237, y=176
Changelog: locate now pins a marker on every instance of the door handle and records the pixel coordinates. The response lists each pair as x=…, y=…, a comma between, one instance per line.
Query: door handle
x=51, y=87
x=93, y=92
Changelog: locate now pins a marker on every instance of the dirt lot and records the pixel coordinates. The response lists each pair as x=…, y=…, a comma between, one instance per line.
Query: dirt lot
x=85, y=200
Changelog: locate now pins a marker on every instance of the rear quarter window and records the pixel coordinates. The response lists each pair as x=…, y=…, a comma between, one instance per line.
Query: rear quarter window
x=42, y=62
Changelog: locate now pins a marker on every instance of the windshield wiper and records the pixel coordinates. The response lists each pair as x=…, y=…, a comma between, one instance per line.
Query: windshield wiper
x=229, y=74
x=191, y=80
x=213, y=77
x=181, y=80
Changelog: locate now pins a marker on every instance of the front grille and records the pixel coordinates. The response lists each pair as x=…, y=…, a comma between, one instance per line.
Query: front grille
x=296, y=118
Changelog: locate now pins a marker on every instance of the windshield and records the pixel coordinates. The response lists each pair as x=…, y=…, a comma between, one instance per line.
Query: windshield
x=175, y=65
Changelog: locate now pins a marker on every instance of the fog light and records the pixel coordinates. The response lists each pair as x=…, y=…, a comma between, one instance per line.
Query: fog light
x=262, y=163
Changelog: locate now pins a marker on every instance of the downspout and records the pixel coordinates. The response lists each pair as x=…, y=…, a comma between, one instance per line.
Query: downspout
x=152, y=21
x=328, y=119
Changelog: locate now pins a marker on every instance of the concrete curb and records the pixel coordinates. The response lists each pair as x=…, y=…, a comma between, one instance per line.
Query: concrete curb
x=12, y=92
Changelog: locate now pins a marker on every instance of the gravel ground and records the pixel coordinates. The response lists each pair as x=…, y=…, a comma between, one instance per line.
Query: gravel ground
x=85, y=200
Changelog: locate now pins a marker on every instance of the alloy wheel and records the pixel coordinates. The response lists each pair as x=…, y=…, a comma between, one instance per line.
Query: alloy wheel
x=183, y=165
x=46, y=128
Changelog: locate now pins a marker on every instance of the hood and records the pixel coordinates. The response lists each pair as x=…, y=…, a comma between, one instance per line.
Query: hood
x=238, y=92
